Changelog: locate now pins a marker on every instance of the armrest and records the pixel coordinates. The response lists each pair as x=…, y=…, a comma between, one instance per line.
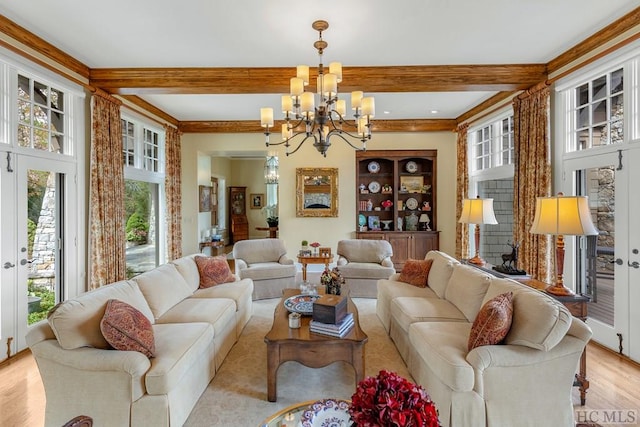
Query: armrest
x=387, y=262
x=93, y=359
x=285, y=260
x=342, y=260
x=240, y=264
x=395, y=277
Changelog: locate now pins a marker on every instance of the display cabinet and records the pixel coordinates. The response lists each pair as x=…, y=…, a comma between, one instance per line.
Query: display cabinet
x=396, y=200
x=239, y=229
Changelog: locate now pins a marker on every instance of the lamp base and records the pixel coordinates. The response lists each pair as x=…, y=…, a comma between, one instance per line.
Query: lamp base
x=477, y=260
x=559, y=290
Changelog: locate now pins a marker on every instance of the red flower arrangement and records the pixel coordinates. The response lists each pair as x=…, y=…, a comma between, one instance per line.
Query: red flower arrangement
x=390, y=400
x=315, y=244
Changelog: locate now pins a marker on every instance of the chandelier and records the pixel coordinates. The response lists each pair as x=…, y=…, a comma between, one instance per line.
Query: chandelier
x=327, y=119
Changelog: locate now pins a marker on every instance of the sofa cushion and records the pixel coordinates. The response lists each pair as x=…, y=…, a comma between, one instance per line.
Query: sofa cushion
x=493, y=321
x=178, y=347
x=216, y=311
x=539, y=321
x=163, y=287
x=188, y=269
x=363, y=250
x=213, y=270
x=76, y=322
x=126, y=328
x=443, y=347
x=268, y=270
x=415, y=272
x=440, y=272
x=408, y=310
x=365, y=270
x=466, y=289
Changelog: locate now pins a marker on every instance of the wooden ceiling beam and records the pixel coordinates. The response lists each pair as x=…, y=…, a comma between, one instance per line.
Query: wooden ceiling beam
x=253, y=126
x=418, y=78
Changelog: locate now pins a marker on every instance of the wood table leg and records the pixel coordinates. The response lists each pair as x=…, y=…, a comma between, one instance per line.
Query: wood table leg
x=273, y=362
x=357, y=361
x=304, y=271
x=581, y=378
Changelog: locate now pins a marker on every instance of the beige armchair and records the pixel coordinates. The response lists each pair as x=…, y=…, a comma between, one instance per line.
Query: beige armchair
x=265, y=262
x=362, y=263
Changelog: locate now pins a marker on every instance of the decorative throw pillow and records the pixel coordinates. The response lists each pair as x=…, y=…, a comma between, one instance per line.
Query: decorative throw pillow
x=493, y=321
x=214, y=270
x=126, y=328
x=415, y=272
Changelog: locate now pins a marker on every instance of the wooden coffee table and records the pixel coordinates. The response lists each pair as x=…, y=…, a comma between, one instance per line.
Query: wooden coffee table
x=311, y=349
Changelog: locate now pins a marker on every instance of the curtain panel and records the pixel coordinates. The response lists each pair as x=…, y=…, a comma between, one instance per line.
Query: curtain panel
x=173, y=190
x=532, y=177
x=462, y=191
x=107, y=241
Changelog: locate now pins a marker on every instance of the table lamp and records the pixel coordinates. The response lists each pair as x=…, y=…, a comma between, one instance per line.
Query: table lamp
x=558, y=216
x=424, y=222
x=477, y=211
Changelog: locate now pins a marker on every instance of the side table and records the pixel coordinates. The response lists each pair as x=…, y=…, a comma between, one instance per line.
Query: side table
x=217, y=248
x=304, y=260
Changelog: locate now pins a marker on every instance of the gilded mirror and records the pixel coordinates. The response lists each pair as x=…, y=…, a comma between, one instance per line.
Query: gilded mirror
x=317, y=192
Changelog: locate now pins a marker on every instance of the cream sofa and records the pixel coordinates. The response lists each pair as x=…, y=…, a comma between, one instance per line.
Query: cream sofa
x=362, y=263
x=265, y=262
x=194, y=329
x=525, y=381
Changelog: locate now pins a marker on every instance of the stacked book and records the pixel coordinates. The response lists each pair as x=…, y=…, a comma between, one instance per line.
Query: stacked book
x=339, y=330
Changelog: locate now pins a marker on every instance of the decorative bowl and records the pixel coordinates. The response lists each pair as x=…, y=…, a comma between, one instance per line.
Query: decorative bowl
x=327, y=413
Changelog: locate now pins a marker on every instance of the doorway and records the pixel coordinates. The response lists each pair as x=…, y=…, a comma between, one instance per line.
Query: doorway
x=607, y=267
x=39, y=203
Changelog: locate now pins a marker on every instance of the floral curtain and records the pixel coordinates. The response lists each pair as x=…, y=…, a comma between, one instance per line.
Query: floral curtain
x=462, y=191
x=173, y=192
x=106, y=188
x=532, y=177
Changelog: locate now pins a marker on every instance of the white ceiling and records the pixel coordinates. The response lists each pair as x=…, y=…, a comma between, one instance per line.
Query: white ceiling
x=278, y=33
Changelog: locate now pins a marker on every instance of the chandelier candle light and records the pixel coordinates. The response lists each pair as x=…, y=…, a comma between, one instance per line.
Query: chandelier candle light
x=558, y=216
x=328, y=118
x=477, y=211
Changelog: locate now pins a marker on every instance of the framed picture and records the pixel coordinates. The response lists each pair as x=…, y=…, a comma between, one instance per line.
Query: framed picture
x=204, y=199
x=411, y=184
x=317, y=192
x=257, y=201
x=374, y=222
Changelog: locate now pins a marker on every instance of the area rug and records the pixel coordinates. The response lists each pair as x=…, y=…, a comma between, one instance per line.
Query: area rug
x=237, y=395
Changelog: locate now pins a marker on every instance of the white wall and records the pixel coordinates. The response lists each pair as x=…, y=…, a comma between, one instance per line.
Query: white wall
x=327, y=231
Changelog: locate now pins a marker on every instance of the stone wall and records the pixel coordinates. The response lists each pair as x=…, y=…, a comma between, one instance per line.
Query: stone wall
x=494, y=238
x=43, y=255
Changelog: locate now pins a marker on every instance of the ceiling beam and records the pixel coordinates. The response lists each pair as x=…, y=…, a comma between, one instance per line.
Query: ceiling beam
x=418, y=78
x=253, y=126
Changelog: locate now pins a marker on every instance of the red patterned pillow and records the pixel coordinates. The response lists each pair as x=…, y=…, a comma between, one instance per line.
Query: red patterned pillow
x=214, y=270
x=126, y=328
x=415, y=272
x=493, y=321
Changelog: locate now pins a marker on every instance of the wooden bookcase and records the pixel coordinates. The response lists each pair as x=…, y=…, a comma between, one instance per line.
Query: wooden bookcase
x=407, y=179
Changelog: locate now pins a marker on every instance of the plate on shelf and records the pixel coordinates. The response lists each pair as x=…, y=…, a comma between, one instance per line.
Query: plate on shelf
x=374, y=186
x=411, y=167
x=362, y=220
x=411, y=204
x=325, y=413
x=302, y=304
x=373, y=167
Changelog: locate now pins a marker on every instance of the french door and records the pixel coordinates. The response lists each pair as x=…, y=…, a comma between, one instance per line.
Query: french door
x=38, y=218
x=607, y=267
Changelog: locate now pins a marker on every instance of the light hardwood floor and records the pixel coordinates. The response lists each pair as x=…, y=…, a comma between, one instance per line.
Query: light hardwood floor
x=614, y=384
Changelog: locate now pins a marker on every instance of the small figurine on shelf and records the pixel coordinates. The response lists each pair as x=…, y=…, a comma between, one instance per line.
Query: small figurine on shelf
x=363, y=189
x=386, y=189
x=426, y=206
x=369, y=205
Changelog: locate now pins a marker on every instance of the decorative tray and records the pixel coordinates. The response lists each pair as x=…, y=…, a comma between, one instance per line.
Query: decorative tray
x=327, y=412
x=302, y=304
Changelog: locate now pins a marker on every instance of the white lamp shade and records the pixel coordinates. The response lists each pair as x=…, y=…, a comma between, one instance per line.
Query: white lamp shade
x=266, y=117
x=566, y=215
x=477, y=211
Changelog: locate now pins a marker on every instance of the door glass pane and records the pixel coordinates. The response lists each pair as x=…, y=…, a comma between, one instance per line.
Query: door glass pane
x=596, y=257
x=42, y=247
x=141, y=226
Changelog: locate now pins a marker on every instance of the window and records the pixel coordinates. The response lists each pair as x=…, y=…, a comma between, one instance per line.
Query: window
x=41, y=118
x=598, y=109
x=491, y=154
x=143, y=161
x=492, y=144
